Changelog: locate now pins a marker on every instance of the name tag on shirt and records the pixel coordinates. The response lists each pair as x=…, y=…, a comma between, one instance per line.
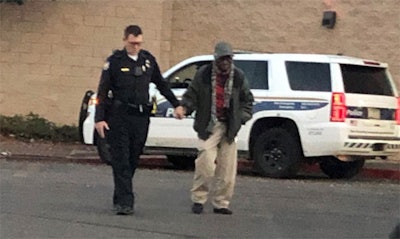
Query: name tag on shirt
x=124, y=69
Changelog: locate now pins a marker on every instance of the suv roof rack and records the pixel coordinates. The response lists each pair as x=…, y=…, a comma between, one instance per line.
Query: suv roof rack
x=238, y=51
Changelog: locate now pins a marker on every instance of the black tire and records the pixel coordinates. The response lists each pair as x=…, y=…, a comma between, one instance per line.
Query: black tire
x=83, y=112
x=277, y=153
x=103, y=149
x=181, y=162
x=337, y=169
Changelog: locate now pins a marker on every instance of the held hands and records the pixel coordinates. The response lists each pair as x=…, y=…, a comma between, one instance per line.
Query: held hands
x=179, y=112
x=100, y=126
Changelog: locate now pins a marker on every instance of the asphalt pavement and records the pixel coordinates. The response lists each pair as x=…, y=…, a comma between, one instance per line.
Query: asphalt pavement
x=58, y=190
x=70, y=200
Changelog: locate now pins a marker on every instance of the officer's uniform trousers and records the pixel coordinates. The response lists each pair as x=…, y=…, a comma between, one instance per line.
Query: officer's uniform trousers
x=127, y=137
x=216, y=167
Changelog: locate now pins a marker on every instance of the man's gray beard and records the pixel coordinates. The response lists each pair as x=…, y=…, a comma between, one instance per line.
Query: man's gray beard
x=224, y=72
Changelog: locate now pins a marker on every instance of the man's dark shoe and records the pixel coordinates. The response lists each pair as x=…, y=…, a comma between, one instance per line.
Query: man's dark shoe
x=124, y=210
x=224, y=211
x=116, y=208
x=197, y=208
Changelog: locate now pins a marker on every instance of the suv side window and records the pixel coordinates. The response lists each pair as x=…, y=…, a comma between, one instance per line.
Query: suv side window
x=308, y=76
x=182, y=77
x=256, y=73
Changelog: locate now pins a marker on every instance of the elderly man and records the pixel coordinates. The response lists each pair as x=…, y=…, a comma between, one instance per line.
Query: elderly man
x=220, y=95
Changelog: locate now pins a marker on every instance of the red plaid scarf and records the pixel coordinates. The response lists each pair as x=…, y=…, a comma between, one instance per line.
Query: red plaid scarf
x=219, y=93
x=225, y=92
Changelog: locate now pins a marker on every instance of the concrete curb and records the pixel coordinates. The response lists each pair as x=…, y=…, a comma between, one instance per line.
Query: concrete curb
x=384, y=170
x=371, y=172
x=374, y=169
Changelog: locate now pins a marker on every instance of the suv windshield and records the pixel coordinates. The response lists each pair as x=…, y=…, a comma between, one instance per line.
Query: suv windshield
x=256, y=73
x=366, y=80
x=182, y=77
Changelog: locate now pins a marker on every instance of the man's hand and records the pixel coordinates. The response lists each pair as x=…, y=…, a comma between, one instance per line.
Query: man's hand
x=179, y=112
x=100, y=126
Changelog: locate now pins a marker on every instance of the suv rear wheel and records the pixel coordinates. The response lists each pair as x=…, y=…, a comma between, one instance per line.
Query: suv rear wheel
x=277, y=153
x=337, y=169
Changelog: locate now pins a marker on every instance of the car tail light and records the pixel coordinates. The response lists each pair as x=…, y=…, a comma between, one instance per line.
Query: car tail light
x=398, y=111
x=338, y=108
x=374, y=63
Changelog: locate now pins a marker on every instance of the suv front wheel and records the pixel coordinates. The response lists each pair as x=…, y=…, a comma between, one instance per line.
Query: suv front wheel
x=277, y=153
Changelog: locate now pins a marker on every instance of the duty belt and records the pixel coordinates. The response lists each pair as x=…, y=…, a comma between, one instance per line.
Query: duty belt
x=140, y=107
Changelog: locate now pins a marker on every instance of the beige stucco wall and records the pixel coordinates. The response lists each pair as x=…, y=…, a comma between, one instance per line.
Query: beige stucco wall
x=52, y=51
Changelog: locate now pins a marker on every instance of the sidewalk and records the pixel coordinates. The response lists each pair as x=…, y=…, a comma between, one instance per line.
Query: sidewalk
x=79, y=153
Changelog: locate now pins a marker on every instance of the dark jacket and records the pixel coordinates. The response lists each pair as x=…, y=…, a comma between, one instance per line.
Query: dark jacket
x=198, y=98
x=129, y=80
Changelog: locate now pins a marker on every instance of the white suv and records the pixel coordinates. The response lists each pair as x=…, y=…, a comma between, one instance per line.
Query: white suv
x=333, y=110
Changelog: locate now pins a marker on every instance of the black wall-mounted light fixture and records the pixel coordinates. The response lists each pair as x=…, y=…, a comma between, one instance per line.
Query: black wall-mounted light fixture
x=329, y=19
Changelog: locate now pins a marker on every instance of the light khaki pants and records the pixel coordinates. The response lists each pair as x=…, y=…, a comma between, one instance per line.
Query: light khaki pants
x=215, y=171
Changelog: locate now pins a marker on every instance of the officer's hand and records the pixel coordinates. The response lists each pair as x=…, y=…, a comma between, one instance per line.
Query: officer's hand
x=179, y=112
x=100, y=126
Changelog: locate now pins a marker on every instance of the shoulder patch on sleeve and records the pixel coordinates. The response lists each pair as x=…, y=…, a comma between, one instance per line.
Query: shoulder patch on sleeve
x=106, y=65
x=117, y=53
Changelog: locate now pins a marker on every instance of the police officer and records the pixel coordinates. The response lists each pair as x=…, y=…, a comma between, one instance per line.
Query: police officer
x=123, y=110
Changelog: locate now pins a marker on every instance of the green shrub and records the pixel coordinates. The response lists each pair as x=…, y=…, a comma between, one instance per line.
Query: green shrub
x=32, y=126
x=19, y=2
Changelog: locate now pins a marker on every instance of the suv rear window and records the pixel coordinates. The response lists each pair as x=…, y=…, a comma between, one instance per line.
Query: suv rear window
x=366, y=80
x=308, y=76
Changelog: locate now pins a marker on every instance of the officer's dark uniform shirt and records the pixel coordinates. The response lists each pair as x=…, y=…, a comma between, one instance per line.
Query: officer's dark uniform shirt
x=129, y=80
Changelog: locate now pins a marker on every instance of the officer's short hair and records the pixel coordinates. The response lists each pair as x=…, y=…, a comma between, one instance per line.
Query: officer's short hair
x=132, y=29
